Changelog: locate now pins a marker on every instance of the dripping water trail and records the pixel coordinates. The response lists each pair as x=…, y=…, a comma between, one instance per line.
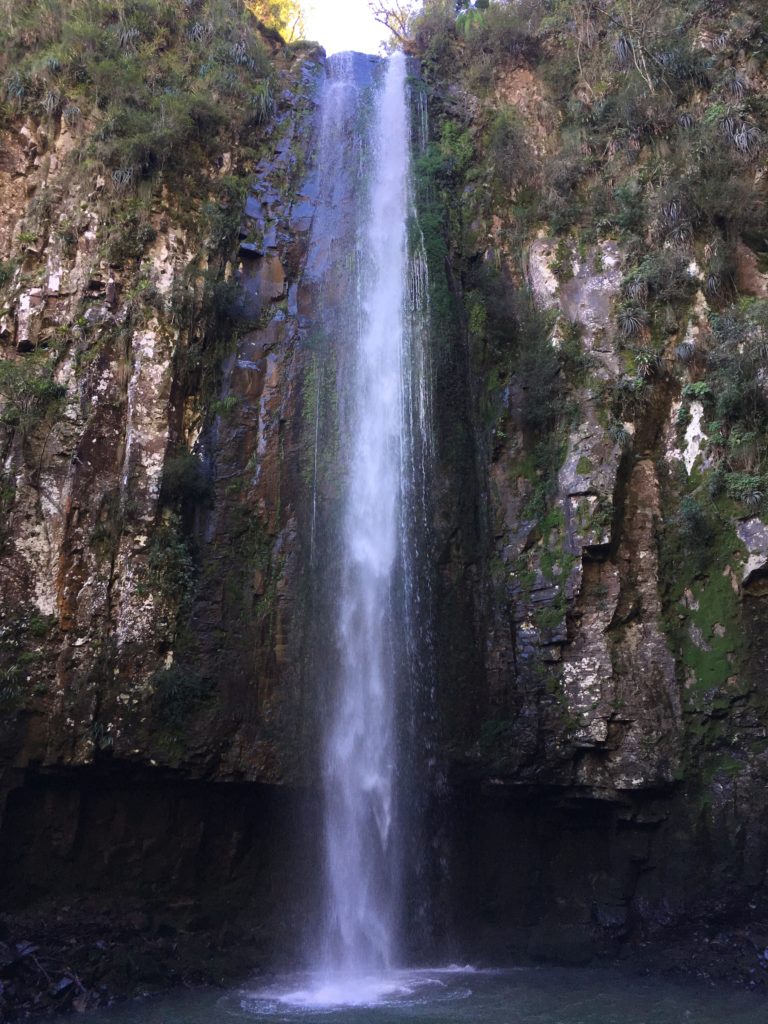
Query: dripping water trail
x=313, y=533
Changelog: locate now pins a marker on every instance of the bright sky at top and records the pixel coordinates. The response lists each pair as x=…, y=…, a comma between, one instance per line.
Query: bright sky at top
x=343, y=25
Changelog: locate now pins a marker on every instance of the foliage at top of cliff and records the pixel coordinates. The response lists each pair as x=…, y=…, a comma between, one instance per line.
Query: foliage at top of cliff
x=145, y=84
x=594, y=120
x=286, y=16
x=640, y=117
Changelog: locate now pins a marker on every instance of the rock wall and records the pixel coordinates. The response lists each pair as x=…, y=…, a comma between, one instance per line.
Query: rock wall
x=119, y=881
x=600, y=652
x=153, y=588
x=604, y=799
x=152, y=547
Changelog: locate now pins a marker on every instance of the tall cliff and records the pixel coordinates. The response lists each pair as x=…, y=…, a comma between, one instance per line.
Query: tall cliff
x=592, y=202
x=150, y=386
x=154, y=483
x=595, y=200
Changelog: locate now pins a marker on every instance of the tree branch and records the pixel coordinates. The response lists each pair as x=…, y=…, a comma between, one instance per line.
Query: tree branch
x=393, y=16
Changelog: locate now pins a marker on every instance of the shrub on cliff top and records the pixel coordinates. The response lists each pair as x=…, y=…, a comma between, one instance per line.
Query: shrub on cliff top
x=502, y=30
x=286, y=16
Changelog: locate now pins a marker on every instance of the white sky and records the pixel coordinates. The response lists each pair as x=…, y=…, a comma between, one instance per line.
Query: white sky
x=343, y=25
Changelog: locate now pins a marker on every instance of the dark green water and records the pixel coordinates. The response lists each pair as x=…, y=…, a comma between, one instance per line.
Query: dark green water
x=524, y=996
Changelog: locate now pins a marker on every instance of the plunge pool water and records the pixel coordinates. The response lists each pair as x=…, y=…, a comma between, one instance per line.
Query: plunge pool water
x=544, y=995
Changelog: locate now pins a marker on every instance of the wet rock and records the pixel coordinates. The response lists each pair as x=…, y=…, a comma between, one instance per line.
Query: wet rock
x=753, y=533
x=749, y=279
x=112, y=293
x=97, y=315
x=542, y=278
x=139, y=920
x=62, y=987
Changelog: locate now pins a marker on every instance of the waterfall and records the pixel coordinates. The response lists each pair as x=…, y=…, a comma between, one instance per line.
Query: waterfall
x=368, y=271
x=360, y=752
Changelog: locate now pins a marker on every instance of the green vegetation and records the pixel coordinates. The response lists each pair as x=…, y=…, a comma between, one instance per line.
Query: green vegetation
x=735, y=404
x=171, y=568
x=653, y=137
x=320, y=412
x=22, y=657
x=30, y=402
x=28, y=390
x=700, y=560
x=184, y=480
x=157, y=94
x=148, y=85
x=496, y=742
x=562, y=263
x=284, y=16
x=700, y=555
x=178, y=691
x=168, y=102
x=129, y=232
x=651, y=131
x=506, y=147
x=439, y=175
x=585, y=121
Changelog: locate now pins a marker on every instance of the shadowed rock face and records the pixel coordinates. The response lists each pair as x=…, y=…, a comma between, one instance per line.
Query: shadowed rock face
x=595, y=805
x=117, y=881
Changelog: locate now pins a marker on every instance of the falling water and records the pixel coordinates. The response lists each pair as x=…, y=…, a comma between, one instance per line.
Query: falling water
x=370, y=274
x=360, y=756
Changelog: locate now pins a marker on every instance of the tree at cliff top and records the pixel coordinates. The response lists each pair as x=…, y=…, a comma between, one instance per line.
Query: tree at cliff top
x=399, y=16
x=395, y=16
x=286, y=16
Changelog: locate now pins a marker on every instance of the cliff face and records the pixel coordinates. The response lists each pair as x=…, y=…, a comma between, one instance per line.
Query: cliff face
x=605, y=710
x=151, y=391
x=599, y=536
x=154, y=495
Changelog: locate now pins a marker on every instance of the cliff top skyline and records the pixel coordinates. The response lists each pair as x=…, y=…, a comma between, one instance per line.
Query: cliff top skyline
x=340, y=25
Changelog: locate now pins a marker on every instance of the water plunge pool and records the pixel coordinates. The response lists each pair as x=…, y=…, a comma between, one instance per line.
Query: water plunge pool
x=544, y=995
